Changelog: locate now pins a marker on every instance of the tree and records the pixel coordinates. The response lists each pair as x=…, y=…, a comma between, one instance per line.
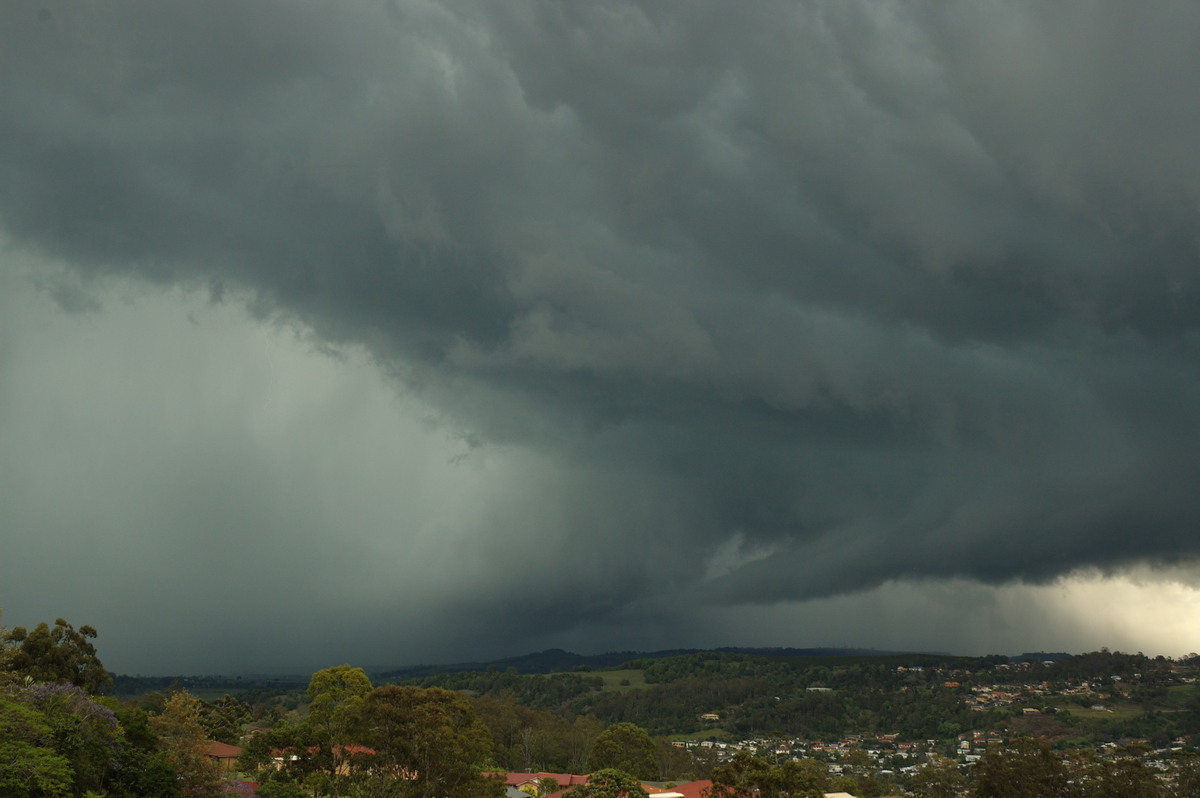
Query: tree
x=224, y=718
x=747, y=775
x=579, y=740
x=335, y=719
x=29, y=765
x=1187, y=765
x=61, y=654
x=941, y=779
x=741, y=776
x=1117, y=779
x=5, y=651
x=1023, y=768
x=83, y=732
x=608, y=783
x=286, y=752
x=844, y=783
x=627, y=747
x=674, y=762
x=144, y=770
x=799, y=777
x=548, y=785
x=427, y=744
x=182, y=739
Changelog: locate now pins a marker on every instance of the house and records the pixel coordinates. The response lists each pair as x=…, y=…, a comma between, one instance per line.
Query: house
x=223, y=754
x=701, y=789
x=344, y=756
x=693, y=789
x=525, y=784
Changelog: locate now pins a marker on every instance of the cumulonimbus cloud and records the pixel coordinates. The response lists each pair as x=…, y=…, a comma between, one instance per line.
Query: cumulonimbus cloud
x=811, y=296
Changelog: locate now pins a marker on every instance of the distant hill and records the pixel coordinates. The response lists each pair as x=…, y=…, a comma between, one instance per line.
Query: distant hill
x=557, y=660
x=553, y=660
x=1042, y=656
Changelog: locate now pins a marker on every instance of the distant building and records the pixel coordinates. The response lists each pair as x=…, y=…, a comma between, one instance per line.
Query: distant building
x=224, y=755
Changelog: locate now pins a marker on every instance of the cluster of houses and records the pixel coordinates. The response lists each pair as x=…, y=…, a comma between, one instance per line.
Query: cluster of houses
x=885, y=755
x=524, y=785
x=517, y=785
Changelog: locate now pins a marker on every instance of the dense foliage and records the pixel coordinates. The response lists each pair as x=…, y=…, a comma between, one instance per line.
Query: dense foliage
x=538, y=691
x=59, y=738
x=751, y=775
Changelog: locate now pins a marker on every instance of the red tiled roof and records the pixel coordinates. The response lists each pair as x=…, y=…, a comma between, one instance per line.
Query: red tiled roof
x=568, y=780
x=693, y=789
x=222, y=750
x=513, y=779
x=342, y=750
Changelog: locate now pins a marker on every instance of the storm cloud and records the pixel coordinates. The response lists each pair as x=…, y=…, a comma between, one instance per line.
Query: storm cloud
x=683, y=308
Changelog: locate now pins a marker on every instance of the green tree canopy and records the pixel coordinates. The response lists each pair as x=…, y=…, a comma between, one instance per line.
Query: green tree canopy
x=608, y=783
x=1188, y=768
x=144, y=771
x=1022, y=768
x=627, y=747
x=1118, y=778
x=940, y=779
x=224, y=718
x=61, y=654
x=29, y=765
x=288, y=749
x=182, y=739
x=428, y=743
x=335, y=719
x=749, y=775
x=84, y=732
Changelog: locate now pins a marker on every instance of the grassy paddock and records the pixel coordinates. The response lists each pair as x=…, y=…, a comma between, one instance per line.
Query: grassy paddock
x=613, y=679
x=1180, y=694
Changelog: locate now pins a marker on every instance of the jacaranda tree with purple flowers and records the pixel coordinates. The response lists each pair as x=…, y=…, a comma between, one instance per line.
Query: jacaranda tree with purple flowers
x=84, y=732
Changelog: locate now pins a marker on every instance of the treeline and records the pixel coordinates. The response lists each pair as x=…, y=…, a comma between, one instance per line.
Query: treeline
x=754, y=707
x=1095, y=665
x=792, y=670
x=124, y=685
x=342, y=736
x=357, y=739
x=549, y=691
x=1021, y=768
x=551, y=660
x=60, y=737
x=917, y=696
x=754, y=695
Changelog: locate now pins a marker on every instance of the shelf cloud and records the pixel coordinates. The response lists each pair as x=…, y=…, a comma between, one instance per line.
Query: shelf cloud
x=457, y=329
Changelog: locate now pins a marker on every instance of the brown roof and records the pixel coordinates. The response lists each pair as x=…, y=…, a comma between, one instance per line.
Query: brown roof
x=693, y=789
x=222, y=750
x=514, y=779
x=567, y=780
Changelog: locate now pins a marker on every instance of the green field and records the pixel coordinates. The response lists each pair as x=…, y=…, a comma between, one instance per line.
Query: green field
x=1180, y=694
x=613, y=679
x=1114, y=712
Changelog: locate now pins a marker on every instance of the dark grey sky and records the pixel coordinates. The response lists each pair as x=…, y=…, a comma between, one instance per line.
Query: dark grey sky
x=398, y=332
